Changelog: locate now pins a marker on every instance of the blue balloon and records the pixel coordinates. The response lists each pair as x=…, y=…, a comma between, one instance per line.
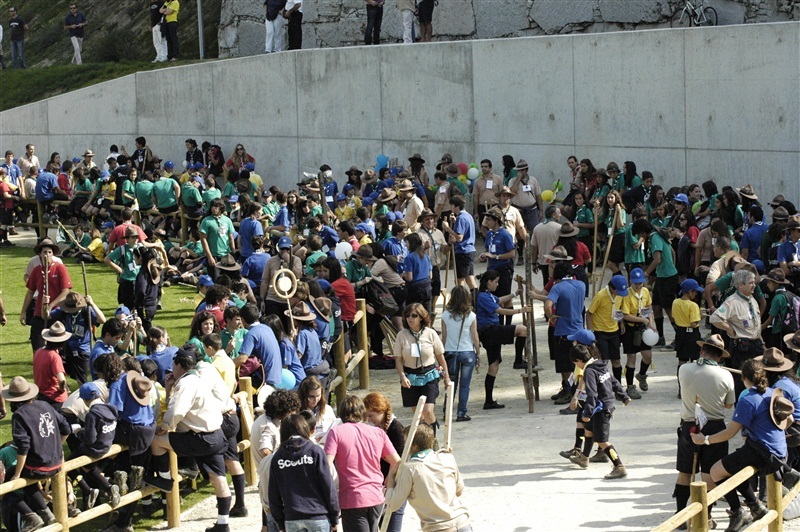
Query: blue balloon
x=287, y=380
x=382, y=160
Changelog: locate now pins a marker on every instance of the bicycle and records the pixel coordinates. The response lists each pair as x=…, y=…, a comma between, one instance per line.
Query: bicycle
x=693, y=16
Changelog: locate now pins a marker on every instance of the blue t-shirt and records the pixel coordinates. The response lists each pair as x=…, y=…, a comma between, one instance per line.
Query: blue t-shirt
x=282, y=218
x=81, y=340
x=567, y=297
x=261, y=343
x=45, y=184
x=100, y=348
x=487, y=304
x=163, y=360
x=792, y=392
x=752, y=412
x=129, y=410
x=14, y=173
x=253, y=267
x=751, y=240
x=498, y=243
x=465, y=226
x=308, y=347
x=788, y=250
x=247, y=230
x=394, y=247
x=329, y=237
x=420, y=267
x=292, y=362
x=331, y=191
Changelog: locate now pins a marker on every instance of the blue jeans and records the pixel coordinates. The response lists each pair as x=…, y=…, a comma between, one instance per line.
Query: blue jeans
x=18, y=54
x=396, y=521
x=460, y=366
x=308, y=525
x=372, y=35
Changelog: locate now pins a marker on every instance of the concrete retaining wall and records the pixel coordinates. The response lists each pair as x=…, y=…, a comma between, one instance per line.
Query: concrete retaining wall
x=688, y=105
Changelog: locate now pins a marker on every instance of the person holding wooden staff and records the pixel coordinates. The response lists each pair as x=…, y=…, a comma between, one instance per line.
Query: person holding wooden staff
x=500, y=252
x=615, y=223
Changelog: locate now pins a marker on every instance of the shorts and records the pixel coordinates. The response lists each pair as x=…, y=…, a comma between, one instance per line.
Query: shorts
x=230, y=428
x=465, y=264
x=665, y=291
x=137, y=437
x=608, y=344
x=425, y=10
x=627, y=340
x=494, y=337
x=562, y=348
x=205, y=447
x=399, y=293
x=106, y=204
x=707, y=456
x=600, y=426
x=686, y=347
x=168, y=210
x=617, y=253
x=411, y=395
x=506, y=280
x=742, y=457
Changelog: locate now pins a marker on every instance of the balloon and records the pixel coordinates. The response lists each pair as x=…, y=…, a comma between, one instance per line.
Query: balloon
x=382, y=160
x=558, y=186
x=287, y=380
x=343, y=250
x=696, y=207
x=650, y=337
x=473, y=173
x=265, y=391
x=473, y=165
x=548, y=195
x=185, y=164
x=462, y=178
x=463, y=167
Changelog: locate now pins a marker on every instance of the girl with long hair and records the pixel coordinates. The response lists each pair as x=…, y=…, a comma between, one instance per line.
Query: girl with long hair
x=417, y=272
x=461, y=345
x=312, y=397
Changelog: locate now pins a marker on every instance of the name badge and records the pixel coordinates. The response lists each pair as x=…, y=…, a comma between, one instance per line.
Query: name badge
x=222, y=231
x=415, y=350
x=325, y=249
x=617, y=315
x=305, y=232
x=329, y=199
x=79, y=331
x=646, y=312
x=689, y=329
x=132, y=267
x=442, y=190
x=492, y=249
x=526, y=188
x=489, y=185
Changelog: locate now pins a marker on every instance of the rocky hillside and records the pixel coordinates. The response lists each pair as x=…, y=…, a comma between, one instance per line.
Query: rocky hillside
x=117, y=30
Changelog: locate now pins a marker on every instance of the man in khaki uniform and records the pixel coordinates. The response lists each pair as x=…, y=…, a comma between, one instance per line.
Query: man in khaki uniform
x=484, y=191
x=528, y=200
x=433, y=239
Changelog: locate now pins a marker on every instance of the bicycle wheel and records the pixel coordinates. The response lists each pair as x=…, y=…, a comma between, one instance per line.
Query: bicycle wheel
x=708, y=18
x=680, y=19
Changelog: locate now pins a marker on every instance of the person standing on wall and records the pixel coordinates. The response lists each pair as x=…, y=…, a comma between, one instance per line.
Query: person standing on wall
x=2, y=57
x=372, y=35
x=18, y=27
x=425, y=14
x=170, y=11
x=159, y=39
x=293, y=12
x=274, y=23
x=407, y=8
x=74, y=23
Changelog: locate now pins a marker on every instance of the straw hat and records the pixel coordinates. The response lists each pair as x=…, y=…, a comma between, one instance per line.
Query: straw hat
x=228, y=263
x=567, y=229
x=46, y=243
x=504, y=190
x=497, y=214
x=19, y=390
x=747, y=191
x=139, y=386
x=792, y=341
x=774, y=360
x=353, y=171
x=387, y=194
x=715, y=340
x=300, y=312
x=558, y=253
x=56, y=333
x=405, y=186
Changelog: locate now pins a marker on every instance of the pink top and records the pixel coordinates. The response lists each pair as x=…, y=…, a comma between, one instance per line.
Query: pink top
x=357, y=449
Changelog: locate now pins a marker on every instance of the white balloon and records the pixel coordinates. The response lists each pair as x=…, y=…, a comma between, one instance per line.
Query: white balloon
x=650, y=337
x=185, y=164
x=343, y=250
x=473, y=173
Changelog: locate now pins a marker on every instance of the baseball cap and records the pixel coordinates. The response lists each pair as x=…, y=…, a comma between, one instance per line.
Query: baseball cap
x=122, y=309
x=285, y=243
x=348, y=186
x=367, y=202
x=690, y=284
x=249, y=167
x=233, y=199
x=169, y=164
x=341, y=197
x=637, y=276
x=390, y=217
x=364, y=228
x=582, y=336
x=107, y=225
x=682, y=198
x=197, y=166
x=89, y=391
x=205, y=280
x=324, y=284
x=104, y=175
x=619, y=284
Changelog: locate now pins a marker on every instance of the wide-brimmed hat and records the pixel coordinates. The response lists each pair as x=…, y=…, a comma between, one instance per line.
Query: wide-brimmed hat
x=447, y=158
x=780, y=213
x=19, y=389
x=558, y=253
x=300, y=312
x=73, y=302
x=139, y=386
x=353, y=171
x=365, y=252
x=747, y=191
x=426, y=213
x=567, y=229
x=777, y=200
x=612, y=167
x=370, y=175
x=780, y=409
x=792, y=341
x=88, y=153
x=154, y=269
x=452, y=169
x=46, y=243
x=386, y=194
x=56, y=333
x=322, y=305
x=774, y=360
x=777, y=276
x=522, y=164
x=405, y=186
x=228, y=263
x=497, y=214
x=715, y=340
x=504, y=190
x=417, y=157
x=794, y=223
x=131, y=231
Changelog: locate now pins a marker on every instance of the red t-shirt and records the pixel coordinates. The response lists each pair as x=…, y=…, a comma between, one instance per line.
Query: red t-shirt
x=693, y=232
x=219, y=315
x=46, y=365
x=347, y=298
x=64, y=184
x=57, y=278
x=117, y=236
x=582, y=254
x=5, y=188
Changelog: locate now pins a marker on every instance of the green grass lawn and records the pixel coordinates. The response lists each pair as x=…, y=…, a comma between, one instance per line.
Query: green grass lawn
x=15, y=348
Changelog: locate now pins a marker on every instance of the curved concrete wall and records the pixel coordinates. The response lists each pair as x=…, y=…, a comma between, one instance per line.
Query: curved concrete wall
x=688, y=105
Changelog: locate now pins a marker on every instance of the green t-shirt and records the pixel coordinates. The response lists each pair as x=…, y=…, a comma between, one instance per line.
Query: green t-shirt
x=84, y=186
x=211, y=194
x=658, y=222
x=238, y=337
x=271, y=209
x=310, y=260
x=238, y=302
x=144, y=191
x=122, y=256
x=356, y=272
x=665, y=268
x=195, y=341
x=195, y=247
x=632, y=255
x=217, y=231
x=8, y=456
x=584, y=216
x=383, y=209
x=165, y=195
x=623, y=219
x=777, y=310
x=316, y=211
x=190, y=196
x=601, y=193
x=130, y=189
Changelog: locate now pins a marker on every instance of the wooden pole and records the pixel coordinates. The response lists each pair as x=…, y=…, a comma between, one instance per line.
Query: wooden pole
x=173, y=497
x=341, y=368
x=363, y=345
x=775, y=502
x=40, y=213
x=608, y=246
x=246, y=417
x=448, y=420
x=89, y=312
x=699, y=494
x=59, y=489
x=447, y=269
x=66, y=232
x=532, y=371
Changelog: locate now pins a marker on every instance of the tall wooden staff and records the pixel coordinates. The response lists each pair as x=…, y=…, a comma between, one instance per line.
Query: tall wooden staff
x=596, y=210
x=88, y=310
x=448, y=420
x=46, y=295
x=614, y=222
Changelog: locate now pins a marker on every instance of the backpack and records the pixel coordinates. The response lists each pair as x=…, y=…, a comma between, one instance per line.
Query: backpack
x=791, y=322
x=381, y=299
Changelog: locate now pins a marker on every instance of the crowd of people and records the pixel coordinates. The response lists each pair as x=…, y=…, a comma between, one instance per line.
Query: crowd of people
x=389, y=235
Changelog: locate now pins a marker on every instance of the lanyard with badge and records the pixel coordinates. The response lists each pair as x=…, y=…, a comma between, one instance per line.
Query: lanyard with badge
x=750, y=307
x=616, y=314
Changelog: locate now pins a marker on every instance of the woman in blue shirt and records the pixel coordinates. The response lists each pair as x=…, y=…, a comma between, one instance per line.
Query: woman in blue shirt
x=493, y=335
x=307, y=342
x=417, y=272
x=289, y=357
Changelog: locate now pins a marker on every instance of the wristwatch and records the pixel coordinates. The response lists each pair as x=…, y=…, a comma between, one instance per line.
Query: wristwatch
x=705, y=440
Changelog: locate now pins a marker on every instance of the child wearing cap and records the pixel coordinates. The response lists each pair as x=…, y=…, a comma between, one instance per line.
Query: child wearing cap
x=343, y=211
x=604, y=316
x=686, y=314
x=638, y=315
x=82, y=238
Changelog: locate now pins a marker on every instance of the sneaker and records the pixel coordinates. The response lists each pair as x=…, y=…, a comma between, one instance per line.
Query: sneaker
x=632, y=392
x=757, y=510
x=164, y=484
x=238, y=511
x=218, y=528
x=790, y=479
x=520, y=365
x=120, y=479
x=189, y=474
x=561, y=393
x=599, y=457
x=91, y=498
x=72, y=510
x=47, y=516
x=31, y=522
x=465, y=417
x=567, y=411
x=739, y=519
x=618, y=472
x=494, y=405
x=642, y=380
x=580, y=460
x=113, y=496
x=136, y=476
x=569, y=454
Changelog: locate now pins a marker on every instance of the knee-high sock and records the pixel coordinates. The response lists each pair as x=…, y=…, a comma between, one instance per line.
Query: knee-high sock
x=617, y=373
x=660, y=327
x=612, y=453
x=681, y=495
x=629, y=371
x=519, y=346
x=238, y=489
x=643, y=367
x=579, y=437
x=223, y=509
x=488, y=385
x=588, y=441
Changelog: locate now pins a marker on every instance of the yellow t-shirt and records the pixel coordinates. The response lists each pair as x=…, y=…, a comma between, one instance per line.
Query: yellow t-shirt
x=602, y=308
x=365, y=240
x=185, y=177
x=97, y=250
x=175, y=6
x=684, y=312
x=108, y=190
x=343, y=213
x=257, y=182
x=633, y=302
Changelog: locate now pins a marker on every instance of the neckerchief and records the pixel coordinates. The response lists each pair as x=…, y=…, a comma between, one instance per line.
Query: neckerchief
x=749, y=304
x=421, y=455
x=706, y=362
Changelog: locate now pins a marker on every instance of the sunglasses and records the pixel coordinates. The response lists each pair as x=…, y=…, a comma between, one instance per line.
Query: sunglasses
x=415, y=316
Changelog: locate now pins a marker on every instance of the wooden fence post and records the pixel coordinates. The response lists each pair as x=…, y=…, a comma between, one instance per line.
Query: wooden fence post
x=246, y=417
x=246, y=385
x=184, y=226
x=363, y=344
x=58, y=486
x=39, y=214
x=699, y=492
x=174, y=496
x=775, y=502
x=341, y=368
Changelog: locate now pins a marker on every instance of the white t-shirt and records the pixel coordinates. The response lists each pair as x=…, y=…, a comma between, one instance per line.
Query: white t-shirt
x=291, y=3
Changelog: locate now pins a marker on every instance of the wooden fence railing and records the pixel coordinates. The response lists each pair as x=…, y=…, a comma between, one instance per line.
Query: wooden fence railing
x=360, y=359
